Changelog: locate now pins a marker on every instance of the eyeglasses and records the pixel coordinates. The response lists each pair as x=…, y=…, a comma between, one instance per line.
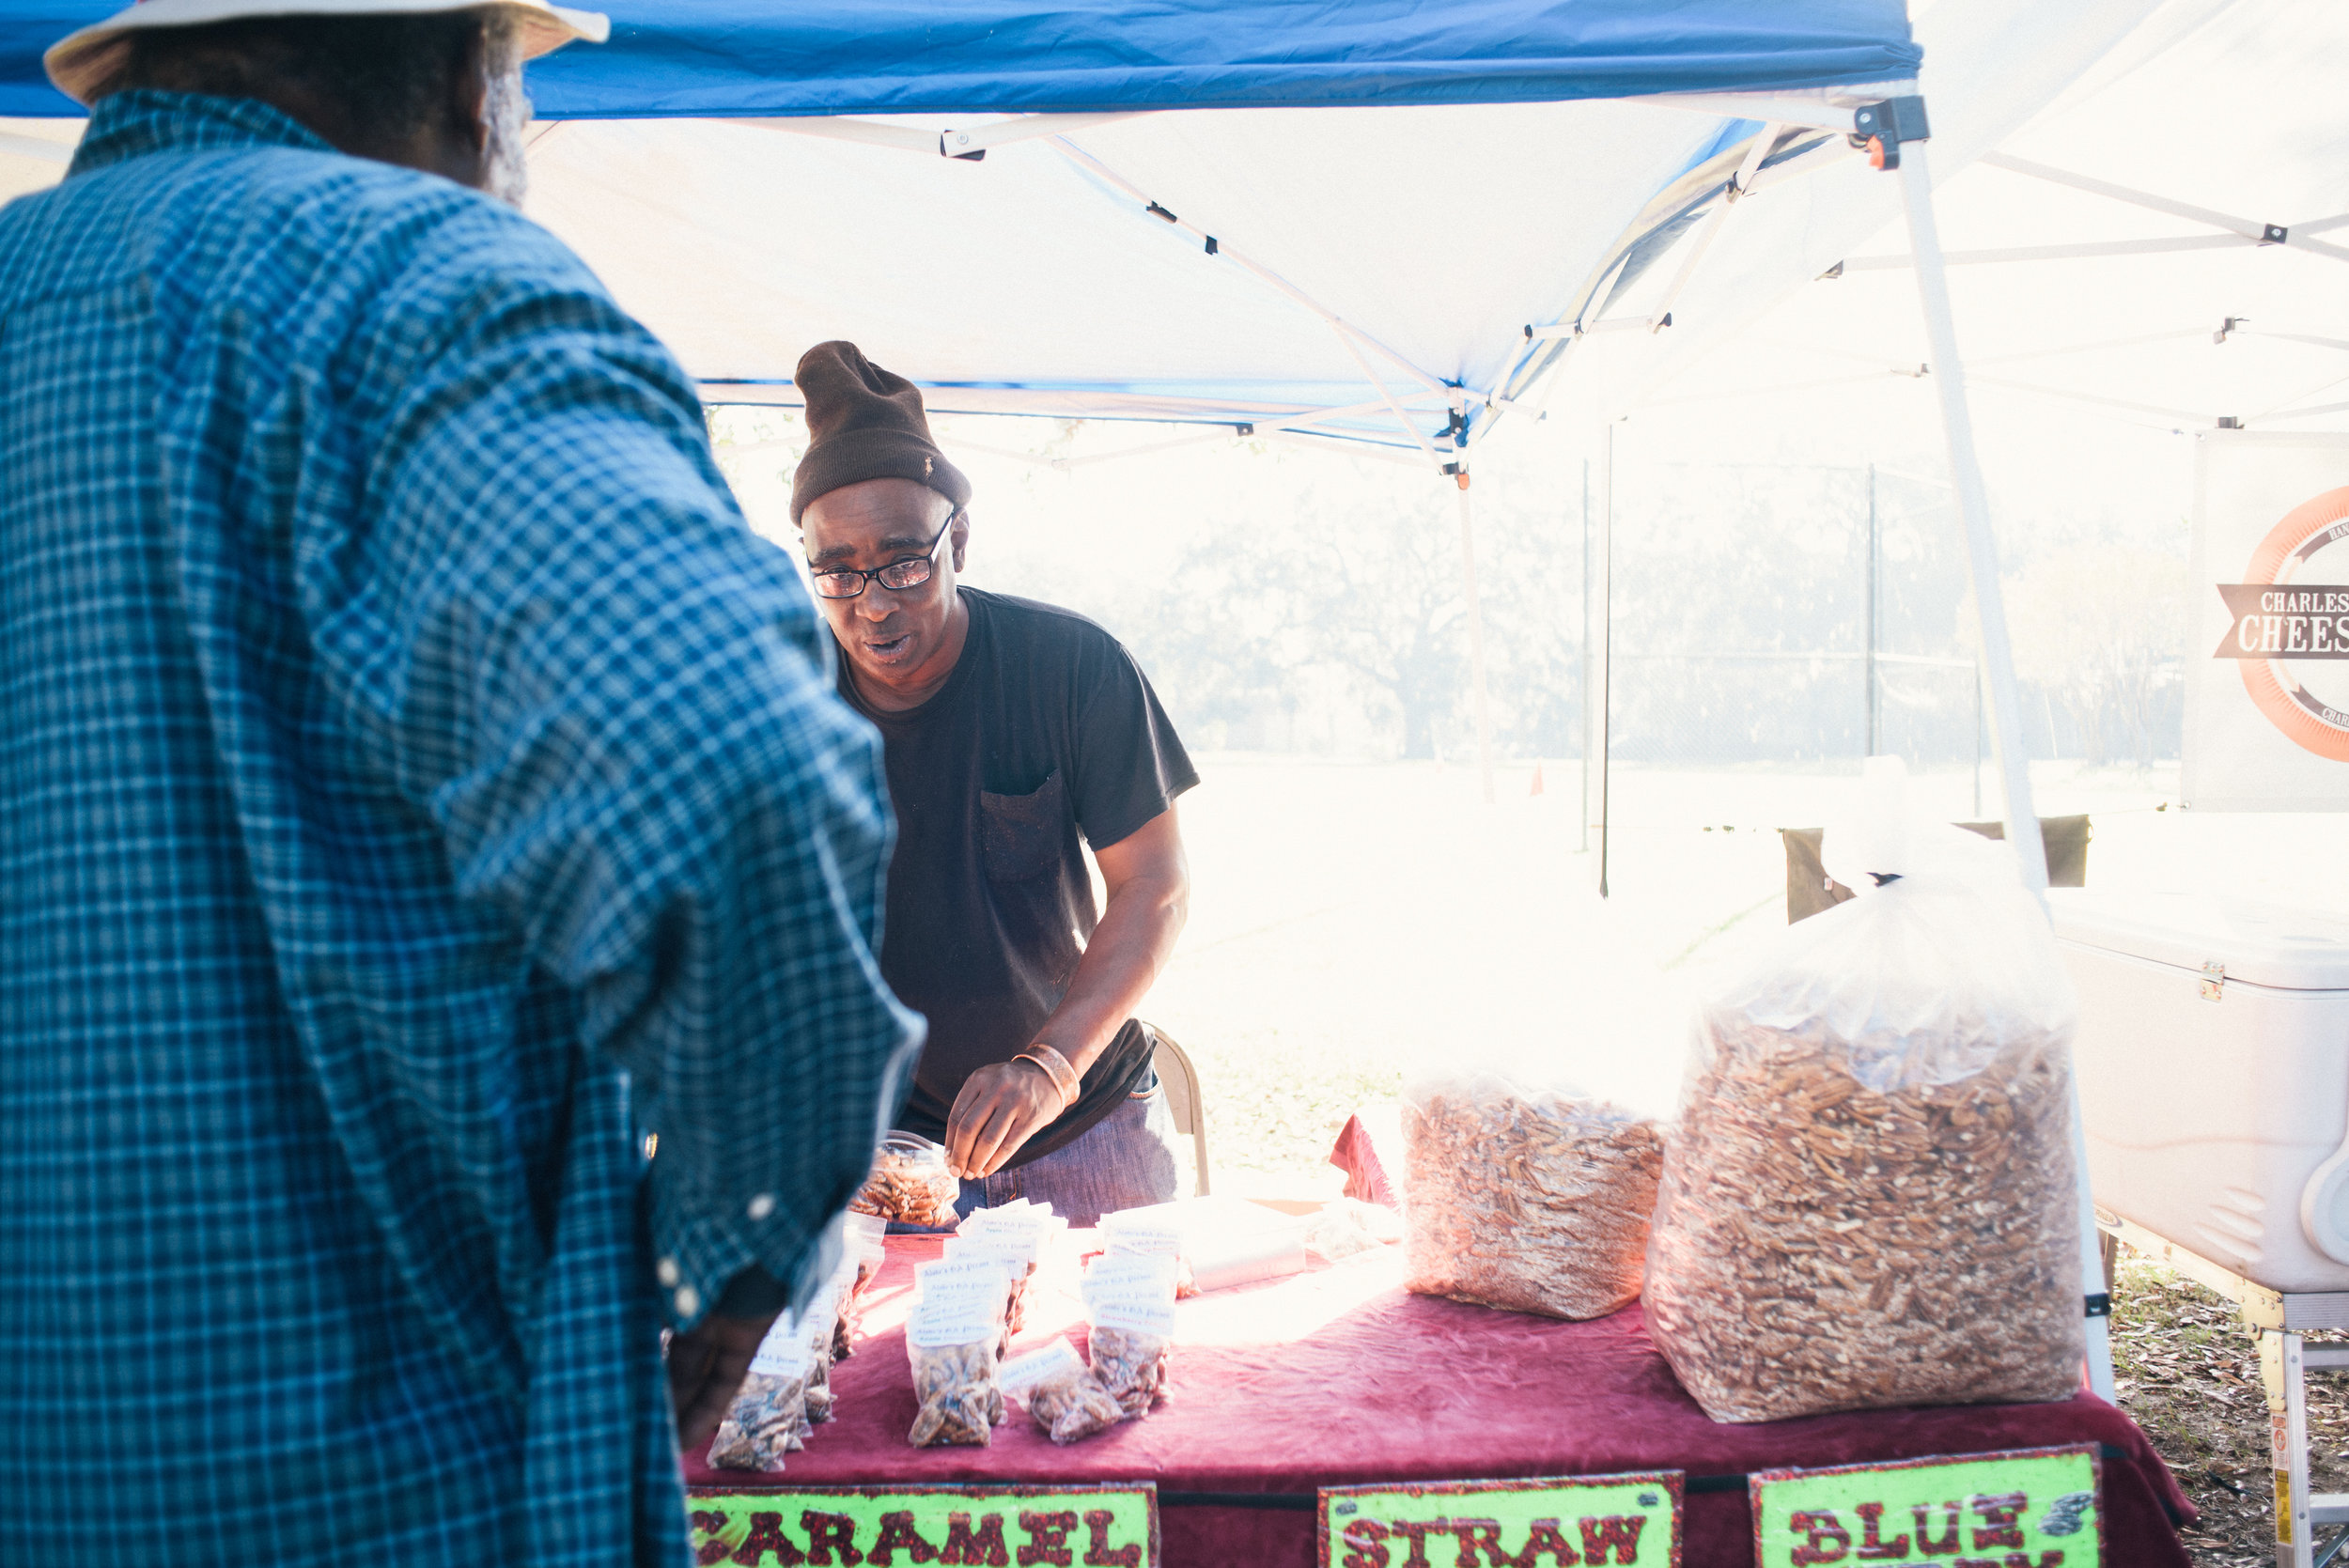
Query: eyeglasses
x=910, y=571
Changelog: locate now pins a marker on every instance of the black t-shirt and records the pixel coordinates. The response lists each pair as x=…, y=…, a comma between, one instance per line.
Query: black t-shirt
x=1044, y=729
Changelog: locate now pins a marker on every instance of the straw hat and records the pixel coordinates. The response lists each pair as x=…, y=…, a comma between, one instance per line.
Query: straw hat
x=83, y=61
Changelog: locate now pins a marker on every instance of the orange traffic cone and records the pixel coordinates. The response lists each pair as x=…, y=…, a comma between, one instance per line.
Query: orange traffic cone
x=1537, y=780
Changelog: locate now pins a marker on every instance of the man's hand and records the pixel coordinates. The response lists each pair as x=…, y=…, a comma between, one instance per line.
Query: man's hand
x=706, y=1367
x=999, y=1109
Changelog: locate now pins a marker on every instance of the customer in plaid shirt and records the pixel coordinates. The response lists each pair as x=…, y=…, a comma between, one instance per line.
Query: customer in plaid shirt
x=421, y=790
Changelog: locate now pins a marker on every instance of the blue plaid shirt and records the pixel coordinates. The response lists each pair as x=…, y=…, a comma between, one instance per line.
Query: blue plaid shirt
x=419, y=786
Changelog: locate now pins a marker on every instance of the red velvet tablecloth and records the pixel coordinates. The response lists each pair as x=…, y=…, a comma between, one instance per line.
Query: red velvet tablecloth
x=1340, y=1376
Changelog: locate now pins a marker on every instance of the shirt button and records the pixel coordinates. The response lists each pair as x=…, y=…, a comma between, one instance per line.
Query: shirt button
x=689, y=1301
x=667, y=1271
x=762, y=1205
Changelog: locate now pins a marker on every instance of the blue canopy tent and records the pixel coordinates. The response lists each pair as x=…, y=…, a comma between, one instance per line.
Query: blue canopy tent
x=1385, y=224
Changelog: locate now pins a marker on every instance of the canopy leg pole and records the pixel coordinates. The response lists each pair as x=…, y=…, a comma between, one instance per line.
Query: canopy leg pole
x=1583, y=710
x=1598, y=612
x=1876, y=570
x=1476, y=637
x=1998, y=665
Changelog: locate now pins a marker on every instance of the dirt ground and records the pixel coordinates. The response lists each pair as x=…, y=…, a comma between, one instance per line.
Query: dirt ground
x=2187, y=1372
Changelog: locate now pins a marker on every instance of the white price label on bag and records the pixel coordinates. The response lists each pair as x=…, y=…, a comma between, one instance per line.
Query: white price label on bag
x=784, y=1351
x=1015, y=1255
x=960, y=1303
x=1132, y=1291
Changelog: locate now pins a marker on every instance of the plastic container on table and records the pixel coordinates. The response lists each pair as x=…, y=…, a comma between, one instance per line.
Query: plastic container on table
x=1224, y=1241
x=2213, y=1062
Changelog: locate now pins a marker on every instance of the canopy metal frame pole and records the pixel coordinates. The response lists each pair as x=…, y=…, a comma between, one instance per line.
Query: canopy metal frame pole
x=1739, y=184
x=2292, y=235
x=1998, y=662
x=1344, y=329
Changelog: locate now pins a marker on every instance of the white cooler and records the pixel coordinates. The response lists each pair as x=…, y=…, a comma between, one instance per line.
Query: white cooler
x=2212, y=1057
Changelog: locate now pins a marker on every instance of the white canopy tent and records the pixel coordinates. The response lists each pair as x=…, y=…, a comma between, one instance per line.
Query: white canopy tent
x=1384, y=264
x=2199, y=171
x=2161, y=245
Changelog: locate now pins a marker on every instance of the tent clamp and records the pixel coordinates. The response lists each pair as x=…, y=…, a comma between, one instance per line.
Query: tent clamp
x=1161, y=214
x=1834, y=272
x=1211, y=244
x=2274, y=234
x=1243, y=430
x=1881, y=128
x=2228, y=422
x=2228, y=327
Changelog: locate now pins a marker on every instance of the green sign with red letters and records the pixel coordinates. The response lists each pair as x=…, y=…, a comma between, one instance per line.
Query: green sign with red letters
x=1632, y=1520
x=2029, y=1508
x=782, y=1527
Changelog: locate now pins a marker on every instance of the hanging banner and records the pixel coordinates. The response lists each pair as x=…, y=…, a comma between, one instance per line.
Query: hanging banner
x=781, y=1527
x=1611, y=1519
x=2027, y=1508
x=2267, y=665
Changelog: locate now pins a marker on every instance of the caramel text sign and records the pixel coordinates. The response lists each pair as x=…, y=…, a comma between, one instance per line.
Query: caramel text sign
x=2029, y=1508
x=782, y=1527
x=1566, y=1521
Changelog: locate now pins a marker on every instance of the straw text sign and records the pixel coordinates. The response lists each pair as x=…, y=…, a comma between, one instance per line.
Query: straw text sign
x=1626, y=1519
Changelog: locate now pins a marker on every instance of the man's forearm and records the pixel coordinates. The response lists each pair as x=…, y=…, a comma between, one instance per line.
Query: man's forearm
x=1131, y=943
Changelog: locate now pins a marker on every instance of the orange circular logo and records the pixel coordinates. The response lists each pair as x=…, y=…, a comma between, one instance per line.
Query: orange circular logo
x=2276, y=618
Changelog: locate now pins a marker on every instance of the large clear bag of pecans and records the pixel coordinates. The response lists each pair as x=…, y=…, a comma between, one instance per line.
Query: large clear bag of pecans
x=1535, y=1200
x=1868, y=1199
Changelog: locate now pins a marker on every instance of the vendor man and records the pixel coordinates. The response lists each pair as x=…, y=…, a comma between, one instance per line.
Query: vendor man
x=1009, y=728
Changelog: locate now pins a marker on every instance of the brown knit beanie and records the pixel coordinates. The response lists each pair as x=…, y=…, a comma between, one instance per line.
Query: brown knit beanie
x=864, y=422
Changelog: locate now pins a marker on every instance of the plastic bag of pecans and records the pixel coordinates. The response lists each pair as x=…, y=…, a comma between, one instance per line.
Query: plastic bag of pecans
x=1868, y=1199
x=910, y=1183
x=768, y=1416
x=1130, y=1305
x=952, y=1341
x=1063, y=1399
x=1533, y=1200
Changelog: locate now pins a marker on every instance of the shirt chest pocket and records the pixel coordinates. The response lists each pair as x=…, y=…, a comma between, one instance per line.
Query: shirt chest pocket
x=1020, y=835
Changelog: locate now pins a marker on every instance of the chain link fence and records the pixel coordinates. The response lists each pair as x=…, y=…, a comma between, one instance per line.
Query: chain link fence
x=1783, y=619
